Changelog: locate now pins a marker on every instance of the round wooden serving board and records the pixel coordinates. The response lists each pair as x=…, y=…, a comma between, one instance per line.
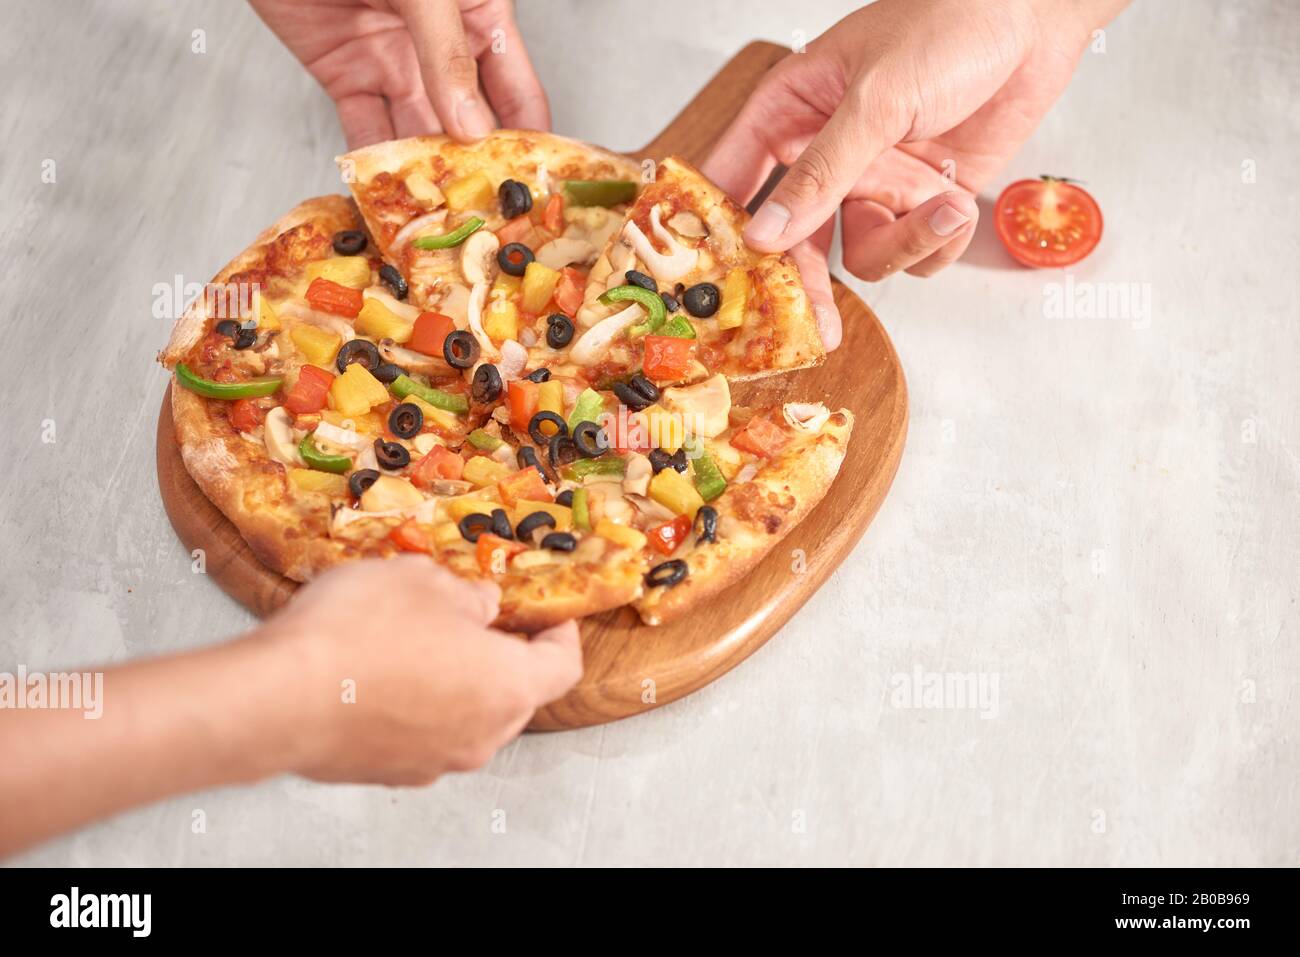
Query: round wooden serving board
x=621, y=656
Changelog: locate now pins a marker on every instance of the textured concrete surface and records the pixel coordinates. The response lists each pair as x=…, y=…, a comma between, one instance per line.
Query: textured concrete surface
x=1095, y=517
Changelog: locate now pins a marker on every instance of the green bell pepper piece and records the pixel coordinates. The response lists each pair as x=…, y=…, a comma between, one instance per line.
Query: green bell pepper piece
x=599, y=192
x=252, y=389
x=709, y=481
x=581, y=516
x=679, y=327
x=605, y=465
x=451, y=239
x=484, y=441
x=588, y=408
x=404, y=385
x=656, y=311
x=317, y=459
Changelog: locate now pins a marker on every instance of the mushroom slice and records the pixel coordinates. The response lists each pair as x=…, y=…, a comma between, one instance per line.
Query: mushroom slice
x=562, y=252
x=722, y=234
x=595, y=342
x=449, y=487
x=704, y=407
x=685, y=223
x=478, y=257
x=413, y=361
x=636, y=479
x=339, y=437
x=665, y=268
x=280, y=445
x=806, y=417
x=474, y=316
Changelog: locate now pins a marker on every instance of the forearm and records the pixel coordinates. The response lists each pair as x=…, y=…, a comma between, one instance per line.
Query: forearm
x=168, y=726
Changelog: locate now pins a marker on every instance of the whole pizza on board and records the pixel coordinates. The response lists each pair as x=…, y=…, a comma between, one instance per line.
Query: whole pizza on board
x=514, y=356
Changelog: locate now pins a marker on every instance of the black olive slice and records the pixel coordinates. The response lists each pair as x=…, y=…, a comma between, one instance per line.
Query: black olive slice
x=565, y=498
x=473, y=525
x=637, y=278
x=527, y=457
x=513, y=258
x=667, y=573
x=644, y=388
x=559, y=330
x=531, y=522
x=362, y=351
x=539, y=375
x=228, y=328
x=515, y=198
x=659, y=460
x=560, y=542
x=360, y=480
x=561, y=451
x=393, y=279
x=349, y=242
x=590, y=439
x=386, y=372
x=460, y=349
x=245, y=338
x=392, y=455
x=678, y=460
x=702, y=300
x=706, y=519
x=670, y=302
x=535, y=426
x=486, y=386
x=501, y=524
x=406, y=420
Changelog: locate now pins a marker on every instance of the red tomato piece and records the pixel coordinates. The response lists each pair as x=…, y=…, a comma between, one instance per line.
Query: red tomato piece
x=430, y=331
x=667, y=357
x=666, y=537
x=409, y=537
x=245, y=414
x=440, y=463
x=569, y=290
x=517, y=230
x=330, y=297
x=493, y=553
x=1047, y=222
x=310, y=392
x=526, y=484
x=761, y=437
x=522, y=397
x=553, y=215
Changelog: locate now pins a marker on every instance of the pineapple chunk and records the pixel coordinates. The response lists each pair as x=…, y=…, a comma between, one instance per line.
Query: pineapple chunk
x=674, y=491
x=482, y=471
x=505, y=286
x=379, y=322
x=623, y=535
x=369, y=423
x=446, y=534
x=501, y=320
x=448, y=421
x=735, y=296
x=523, y=508
x=350, y=271
x=471, y=192
x=539, y=285
x=264, y=313
x=317, y=344
x=421, y=185
x=356, y=391
x=389, y=493
x=310, y=480
x=458, y=508
x=664, y=428
x=550, y=398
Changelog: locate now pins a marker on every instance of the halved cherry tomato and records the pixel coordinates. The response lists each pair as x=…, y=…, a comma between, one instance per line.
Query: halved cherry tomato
x=310, y=392
x=1047, y=222
x=553, y=216
x=409, y=537
x=667, y=357
x=761, y=437
x=489, y=547
x=524, y=485
x=430, y=331
x=440, y=463
x=329, y=296
x=517, y=230
x=569, y=290
x=666, y=537
x=522, y=396
x=245, y=414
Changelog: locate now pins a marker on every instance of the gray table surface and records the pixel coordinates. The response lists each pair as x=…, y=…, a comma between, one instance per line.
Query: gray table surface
x=1094, y=516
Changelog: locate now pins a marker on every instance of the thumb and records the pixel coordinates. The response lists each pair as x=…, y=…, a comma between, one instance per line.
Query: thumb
x=448, y=67
x=817, y=182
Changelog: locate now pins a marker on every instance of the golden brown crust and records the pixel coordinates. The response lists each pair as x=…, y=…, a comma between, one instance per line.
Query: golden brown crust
x=752, y=518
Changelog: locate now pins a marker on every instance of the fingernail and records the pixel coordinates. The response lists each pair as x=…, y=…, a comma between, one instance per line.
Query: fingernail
x=473, y=118
x=829, y=325
x=768, y=223
x=947, y=219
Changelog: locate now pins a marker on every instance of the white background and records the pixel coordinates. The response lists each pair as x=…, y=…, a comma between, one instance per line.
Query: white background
x=1080, y=511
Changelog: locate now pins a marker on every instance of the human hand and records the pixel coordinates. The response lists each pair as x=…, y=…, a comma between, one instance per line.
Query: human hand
x=897, y=116
x=399, y=68
x=435, y=687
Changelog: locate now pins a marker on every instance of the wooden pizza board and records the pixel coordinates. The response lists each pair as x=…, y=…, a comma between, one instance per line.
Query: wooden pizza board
x=622, y=656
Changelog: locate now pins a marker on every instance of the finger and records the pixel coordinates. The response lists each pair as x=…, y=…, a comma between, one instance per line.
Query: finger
x=511, y=83
x=448, y=67
x=874, y=249
x=556, y=659
x=408, y=103
x=364, y=118
x=810, y=257
x=817, y=182
x=740, y=162
x=948, y=253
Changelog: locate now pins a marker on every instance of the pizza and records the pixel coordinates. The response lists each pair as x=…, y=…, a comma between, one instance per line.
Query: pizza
x=515, y=357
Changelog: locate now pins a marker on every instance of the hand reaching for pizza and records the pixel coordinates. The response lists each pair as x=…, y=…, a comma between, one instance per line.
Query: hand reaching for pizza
x=398, y=68
x=897, y=116
x=436, y=687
